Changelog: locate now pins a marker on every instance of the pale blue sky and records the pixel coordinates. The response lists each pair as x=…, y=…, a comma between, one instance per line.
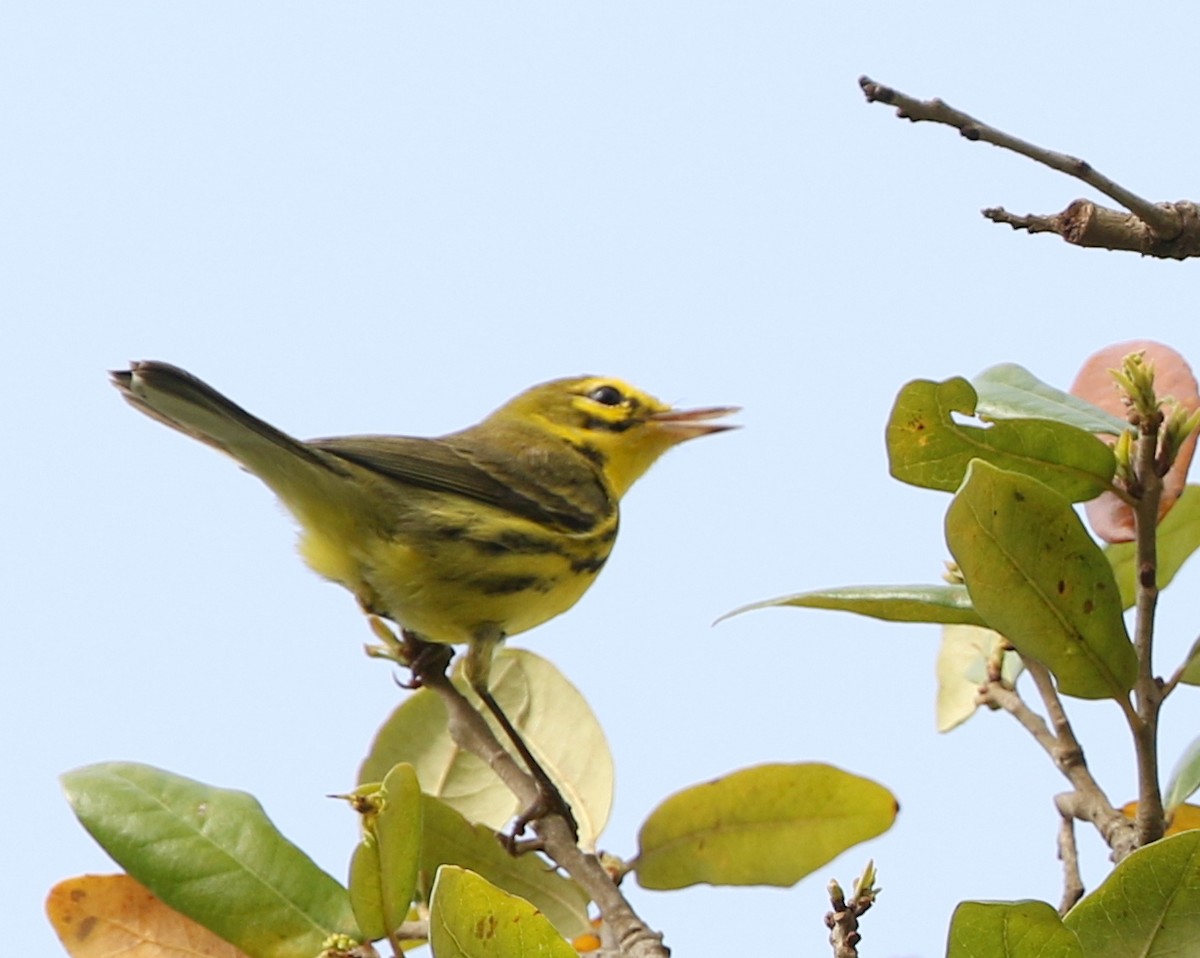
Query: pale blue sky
x=370, y=217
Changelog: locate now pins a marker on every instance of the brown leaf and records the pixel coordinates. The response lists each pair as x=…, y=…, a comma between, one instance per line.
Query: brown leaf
x=97, y=916
x=1110, y=518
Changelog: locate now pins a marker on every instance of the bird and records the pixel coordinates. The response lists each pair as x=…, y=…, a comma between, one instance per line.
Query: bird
x=463, y=539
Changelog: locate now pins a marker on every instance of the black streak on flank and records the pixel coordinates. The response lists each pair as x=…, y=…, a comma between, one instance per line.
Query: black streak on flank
x=511, y=584
x=515, y=542
x=590, y=566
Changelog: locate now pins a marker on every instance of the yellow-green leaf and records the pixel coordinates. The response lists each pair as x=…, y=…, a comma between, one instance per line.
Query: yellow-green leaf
x=1185, y=778
x=1149, y=905
x=928, y=448
x=366, y=889
x=416, y=734
x=1038, y=578
x=769, y=825
x=469, y=917
x=1019, y=929
x=398, y=829
x=1191, y=665
x=551, y=715
x=448, y=838
x=962, y=668
x=1178, y=538
x=893, y=603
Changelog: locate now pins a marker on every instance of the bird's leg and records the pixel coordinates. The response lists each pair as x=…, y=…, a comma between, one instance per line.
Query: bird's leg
x=549, y=799
x=409, y=650
x=424, y=657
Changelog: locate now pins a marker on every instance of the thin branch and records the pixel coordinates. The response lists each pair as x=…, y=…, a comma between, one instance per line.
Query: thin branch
x=1068, y=854
x=1167, y=230
x=1088, y=802
x=471, y=732
x=842, y=921
x=1147, y=690
x=1002, y=697
x=1177, y=676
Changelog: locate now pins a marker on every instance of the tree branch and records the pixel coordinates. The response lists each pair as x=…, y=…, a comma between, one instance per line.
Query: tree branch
x=842, y=921
x=1165, y=230
x=1148, y=692
x=471, y=732
x=1087, y=802
x=1068, y=854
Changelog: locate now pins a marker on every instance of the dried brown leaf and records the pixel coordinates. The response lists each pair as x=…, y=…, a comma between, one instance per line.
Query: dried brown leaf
x=97, y=916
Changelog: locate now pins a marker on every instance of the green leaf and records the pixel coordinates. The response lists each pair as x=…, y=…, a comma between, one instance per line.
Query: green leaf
x=1191, y=665
x=366, y=889
x=471, y=918
x=1185, y=778
x=397, y=828
x=1019, y=929
x=448, y=838
x=1149, y=906
x=769, y=825
x=893, y=603
x=1178, y=538
x=416, y=734
x=550, y=713
x=928, y=448
x=213, y=855
x=1009, y=391
x=1037, y=578
x=962, y=667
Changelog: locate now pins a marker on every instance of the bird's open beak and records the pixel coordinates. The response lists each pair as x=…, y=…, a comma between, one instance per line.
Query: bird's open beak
x=682, y=424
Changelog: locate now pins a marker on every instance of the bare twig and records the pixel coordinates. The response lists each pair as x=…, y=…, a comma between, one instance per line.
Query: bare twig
x=1087, y=802
x=1177, y=676
x=842, y=921
x=470, y=732
x=1166, y=230
x=1068, y=854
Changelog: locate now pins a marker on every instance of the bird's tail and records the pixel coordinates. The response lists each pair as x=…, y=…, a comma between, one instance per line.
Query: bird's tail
x=176, y=398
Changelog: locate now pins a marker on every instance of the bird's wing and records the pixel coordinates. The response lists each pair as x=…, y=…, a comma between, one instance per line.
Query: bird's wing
x=567, y=499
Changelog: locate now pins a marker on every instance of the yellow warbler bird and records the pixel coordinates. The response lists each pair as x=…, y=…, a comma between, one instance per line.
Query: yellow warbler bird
x=467, y=538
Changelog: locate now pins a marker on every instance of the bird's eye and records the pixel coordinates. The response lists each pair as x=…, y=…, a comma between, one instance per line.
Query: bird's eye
x=607, y=395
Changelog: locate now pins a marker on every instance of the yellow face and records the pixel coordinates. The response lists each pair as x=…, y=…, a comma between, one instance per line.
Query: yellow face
x=619, y=427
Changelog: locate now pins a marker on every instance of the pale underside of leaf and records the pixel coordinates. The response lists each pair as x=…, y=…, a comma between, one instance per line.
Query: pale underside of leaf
x=892, y=603
x=1009, y=391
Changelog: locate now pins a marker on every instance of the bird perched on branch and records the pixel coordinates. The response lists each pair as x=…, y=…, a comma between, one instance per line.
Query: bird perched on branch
x=463, y=539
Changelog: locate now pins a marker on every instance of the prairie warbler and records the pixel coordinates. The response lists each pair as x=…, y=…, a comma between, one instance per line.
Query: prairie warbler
x=467, y=538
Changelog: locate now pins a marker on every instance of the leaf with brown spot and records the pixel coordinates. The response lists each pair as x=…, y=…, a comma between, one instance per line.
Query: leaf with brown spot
x=469, y=917
x=929, y=447
x=1014, y=540
x=97, y=916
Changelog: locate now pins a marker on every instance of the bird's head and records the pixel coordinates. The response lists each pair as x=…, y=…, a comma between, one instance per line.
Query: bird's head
x=620, y=428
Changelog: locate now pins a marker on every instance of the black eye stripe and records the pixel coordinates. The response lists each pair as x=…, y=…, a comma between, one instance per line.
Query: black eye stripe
x=607, y=395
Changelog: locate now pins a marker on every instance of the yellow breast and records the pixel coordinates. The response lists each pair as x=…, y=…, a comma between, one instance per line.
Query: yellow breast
x=449, y=569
